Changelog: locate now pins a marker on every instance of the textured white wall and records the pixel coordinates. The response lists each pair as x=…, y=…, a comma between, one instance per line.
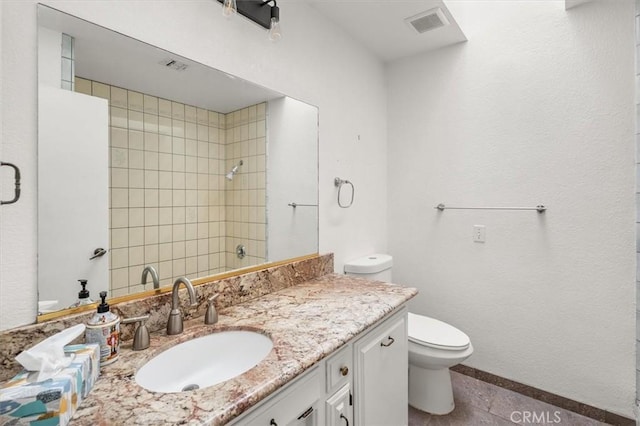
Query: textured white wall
x=537, y=107
x=18, y=291
x=308, y=64
x=292, y=177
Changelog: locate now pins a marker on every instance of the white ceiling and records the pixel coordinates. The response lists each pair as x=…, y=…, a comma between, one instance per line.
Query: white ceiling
x=379, y=25
x=107, y=56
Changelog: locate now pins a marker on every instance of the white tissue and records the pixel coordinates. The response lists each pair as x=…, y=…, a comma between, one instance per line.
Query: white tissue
x=47, y=358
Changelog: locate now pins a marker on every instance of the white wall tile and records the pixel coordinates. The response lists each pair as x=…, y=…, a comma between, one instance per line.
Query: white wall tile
x=150, y=104
x=177, y=111
x=135, y=101
x=119, y=138
x=119, y=157
x=118, y=97
x=119, y=218
x=191, y=147
x=136, y=237
x=151, y=216
x=136, y=178
x=179, y=268
x=136, y=197
x=151, y=179
x=191, y=231
x=136, y=159
x=165, y=233
x=165, y=198
x=164, y=126
x=119, y=238
x=151, y=160
x=179, y=198
x=179, y=231
x=151, y=235
x=119, y=178
x=136, y=217
x=119, y=197
x=190, y=114
x=165, y=215
x=191, y=248
x=165, y=252
x=136, y=140
x=136, y=120
x=119, y=258
x=151, y=141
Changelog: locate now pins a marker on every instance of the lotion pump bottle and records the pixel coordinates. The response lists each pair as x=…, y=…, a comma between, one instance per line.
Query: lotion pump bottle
x=83, y=295
x=104, y=329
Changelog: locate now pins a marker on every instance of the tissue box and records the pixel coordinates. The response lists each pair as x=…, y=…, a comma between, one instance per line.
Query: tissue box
x=51, y=402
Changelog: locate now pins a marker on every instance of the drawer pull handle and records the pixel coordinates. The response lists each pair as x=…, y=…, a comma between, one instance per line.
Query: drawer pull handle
x=273, y=423
x=306, y=414
x=342, y=416
x=344, y=370
x=389, y=342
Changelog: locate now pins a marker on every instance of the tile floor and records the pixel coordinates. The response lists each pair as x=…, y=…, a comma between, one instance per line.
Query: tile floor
x=480, y=403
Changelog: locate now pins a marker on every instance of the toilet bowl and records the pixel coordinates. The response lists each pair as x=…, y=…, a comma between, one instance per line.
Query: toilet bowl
x=434, y=346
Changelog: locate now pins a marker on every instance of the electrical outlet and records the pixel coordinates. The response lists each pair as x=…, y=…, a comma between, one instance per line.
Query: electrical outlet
x=479, y=234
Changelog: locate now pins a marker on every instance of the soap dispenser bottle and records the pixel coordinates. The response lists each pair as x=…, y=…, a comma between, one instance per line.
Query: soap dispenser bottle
x=83, y=295
x=104, y=329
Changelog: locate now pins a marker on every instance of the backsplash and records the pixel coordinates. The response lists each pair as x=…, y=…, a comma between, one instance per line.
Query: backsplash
x=233, y=290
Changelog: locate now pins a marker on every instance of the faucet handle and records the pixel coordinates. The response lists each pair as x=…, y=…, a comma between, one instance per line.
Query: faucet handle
x=211, y=317
x=141, y=337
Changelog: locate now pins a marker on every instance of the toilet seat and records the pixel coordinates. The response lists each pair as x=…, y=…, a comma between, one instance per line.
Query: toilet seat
x=436, y=334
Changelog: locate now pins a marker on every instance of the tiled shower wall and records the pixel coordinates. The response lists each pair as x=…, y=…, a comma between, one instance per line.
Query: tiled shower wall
x=246, y=193
x=168, y=189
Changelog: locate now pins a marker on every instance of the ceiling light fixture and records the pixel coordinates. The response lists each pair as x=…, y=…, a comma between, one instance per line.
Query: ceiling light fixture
x=259, y=11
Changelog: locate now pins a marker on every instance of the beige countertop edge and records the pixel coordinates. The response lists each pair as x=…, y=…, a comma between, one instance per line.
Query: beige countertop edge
x=306, y=323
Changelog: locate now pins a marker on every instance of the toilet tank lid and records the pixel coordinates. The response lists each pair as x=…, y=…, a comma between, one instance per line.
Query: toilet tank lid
x=369, y=264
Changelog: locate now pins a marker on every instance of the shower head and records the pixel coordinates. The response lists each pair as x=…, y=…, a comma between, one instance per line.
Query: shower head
x=234, y=170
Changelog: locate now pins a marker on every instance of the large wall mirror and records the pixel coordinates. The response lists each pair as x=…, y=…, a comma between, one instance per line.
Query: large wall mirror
x=146, y=158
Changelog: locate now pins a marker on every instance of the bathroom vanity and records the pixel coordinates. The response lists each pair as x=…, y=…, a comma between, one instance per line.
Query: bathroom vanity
x=363, y=383
x=339, y=357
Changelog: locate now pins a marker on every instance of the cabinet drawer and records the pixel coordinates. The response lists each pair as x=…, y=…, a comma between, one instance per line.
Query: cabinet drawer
x=339, y=369
x=297, y=404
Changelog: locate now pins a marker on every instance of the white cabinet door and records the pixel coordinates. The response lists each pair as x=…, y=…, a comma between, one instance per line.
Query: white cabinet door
x=339, y=410
x=381, y=377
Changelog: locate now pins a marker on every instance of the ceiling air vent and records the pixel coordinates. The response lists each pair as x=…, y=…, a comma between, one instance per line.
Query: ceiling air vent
x=173, y=64
x=427, y=21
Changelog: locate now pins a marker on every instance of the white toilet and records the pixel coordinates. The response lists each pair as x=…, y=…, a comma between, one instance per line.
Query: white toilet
x=434, y=346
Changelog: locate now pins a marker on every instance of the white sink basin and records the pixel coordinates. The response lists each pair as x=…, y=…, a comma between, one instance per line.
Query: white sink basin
x=204, y=361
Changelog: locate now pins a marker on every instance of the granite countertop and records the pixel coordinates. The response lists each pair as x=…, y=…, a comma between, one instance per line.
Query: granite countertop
x=306, y=322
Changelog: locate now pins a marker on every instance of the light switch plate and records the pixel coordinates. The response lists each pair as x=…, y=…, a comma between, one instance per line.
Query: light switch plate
x=479, y=233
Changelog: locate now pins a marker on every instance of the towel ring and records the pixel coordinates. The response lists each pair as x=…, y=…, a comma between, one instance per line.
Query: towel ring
x=338, y=183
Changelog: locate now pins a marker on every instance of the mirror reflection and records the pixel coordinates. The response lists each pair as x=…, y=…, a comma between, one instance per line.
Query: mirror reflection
x=152, y=160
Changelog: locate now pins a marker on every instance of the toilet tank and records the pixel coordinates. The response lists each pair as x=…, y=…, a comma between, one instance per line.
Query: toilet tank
x=373, y=267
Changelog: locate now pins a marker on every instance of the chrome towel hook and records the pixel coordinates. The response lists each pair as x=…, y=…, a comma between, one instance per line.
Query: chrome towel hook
x=338, y=183
x=16, y=172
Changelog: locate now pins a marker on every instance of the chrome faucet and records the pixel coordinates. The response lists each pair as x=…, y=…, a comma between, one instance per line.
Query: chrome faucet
x=174, y=325
x=154, y=276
